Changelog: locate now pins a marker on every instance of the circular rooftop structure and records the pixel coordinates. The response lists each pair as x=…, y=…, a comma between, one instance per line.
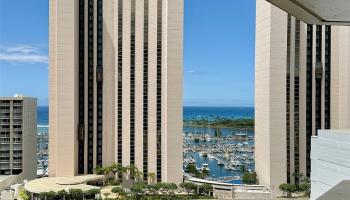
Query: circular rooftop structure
x=56, y=184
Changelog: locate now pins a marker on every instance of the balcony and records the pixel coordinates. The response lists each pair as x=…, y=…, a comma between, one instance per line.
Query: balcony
x=17, y=166
x=19, y=161
x=17, y=147
x=5, y=141
x=5, y=129
x=4, y=155
x=17, y=111
x=16, y=155
x=5, y=148
x=17, y=122
x=5, y=117
x=17, y=141
x=4, y=166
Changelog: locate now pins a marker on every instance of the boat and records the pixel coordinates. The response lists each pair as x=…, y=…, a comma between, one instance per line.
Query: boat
x=211, y=156
x=190, y=160
x=205, y=166
x=204, y=153
x=40, y=172
x=220, y=163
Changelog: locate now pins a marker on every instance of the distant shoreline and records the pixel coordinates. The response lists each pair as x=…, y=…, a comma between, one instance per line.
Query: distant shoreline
x=234, y=117
x=220, y=122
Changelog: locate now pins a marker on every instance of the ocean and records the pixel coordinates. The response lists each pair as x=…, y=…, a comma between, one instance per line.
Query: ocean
x=189, y=112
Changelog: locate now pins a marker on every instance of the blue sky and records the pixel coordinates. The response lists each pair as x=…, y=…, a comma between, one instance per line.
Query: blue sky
x=218, y=56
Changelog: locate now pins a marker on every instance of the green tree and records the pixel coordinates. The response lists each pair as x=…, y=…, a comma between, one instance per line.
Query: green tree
x=288, y=188
x=120, y=192
x=92, y=193
x=189, y=187
x=305, y=186
x=169, y=188
x=242, y=168
x=51, y=195
x=63, y=194
x=47, y=195
x=204, y=173
x=119, y=171
x=154, y=188
x=138, y=190
x=76, y=194
x=152, y=177
x=98, y=170
x=298, y=178
x=24, y=195
x=206, y=188
x=250, y=178
x=191, y=168
x=42, y=195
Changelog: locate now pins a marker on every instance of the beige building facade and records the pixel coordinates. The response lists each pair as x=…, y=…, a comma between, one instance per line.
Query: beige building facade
x=301, y=86
x=18, y=138
x=116, y=86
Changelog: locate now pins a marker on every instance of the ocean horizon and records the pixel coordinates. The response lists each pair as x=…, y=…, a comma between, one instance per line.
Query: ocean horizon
x=189, y=112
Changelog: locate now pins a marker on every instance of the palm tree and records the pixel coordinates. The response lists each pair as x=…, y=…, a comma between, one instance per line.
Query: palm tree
x=107, y=171
x=98, y=170
x=139, y=176
x=133, y=171
x=152, y=177
x=119, y=171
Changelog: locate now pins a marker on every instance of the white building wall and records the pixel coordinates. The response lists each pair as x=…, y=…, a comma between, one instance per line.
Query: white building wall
x=330, y=160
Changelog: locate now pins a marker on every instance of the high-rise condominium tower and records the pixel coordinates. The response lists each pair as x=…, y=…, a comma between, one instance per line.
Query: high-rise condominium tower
x=302, y=72
x=116, y=86
x=17, y=138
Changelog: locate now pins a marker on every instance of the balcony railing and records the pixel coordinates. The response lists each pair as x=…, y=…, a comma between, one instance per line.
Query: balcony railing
x=5, y=129
x=17, y=155
x=17, y=166
x=17, y=110
x=4, y=166
x=17, y=147
x=4, y=141
x=4, y=148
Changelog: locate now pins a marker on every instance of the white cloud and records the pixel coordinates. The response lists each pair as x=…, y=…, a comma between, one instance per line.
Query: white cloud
x=191, y=71
x=26, y=54
x=22, y=49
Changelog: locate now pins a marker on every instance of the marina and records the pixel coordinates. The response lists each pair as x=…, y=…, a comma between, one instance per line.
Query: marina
x=226, y=155
x=42, y=150
x=223, y=152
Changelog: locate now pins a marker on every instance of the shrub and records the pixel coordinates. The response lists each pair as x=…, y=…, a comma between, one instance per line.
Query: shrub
x=288, y=188
x=189, y=187
x=250, y=178
x=76, y=194
x=120, y=191
x=206, y=188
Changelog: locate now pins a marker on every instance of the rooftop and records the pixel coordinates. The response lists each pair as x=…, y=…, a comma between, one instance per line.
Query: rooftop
x=56, y=184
